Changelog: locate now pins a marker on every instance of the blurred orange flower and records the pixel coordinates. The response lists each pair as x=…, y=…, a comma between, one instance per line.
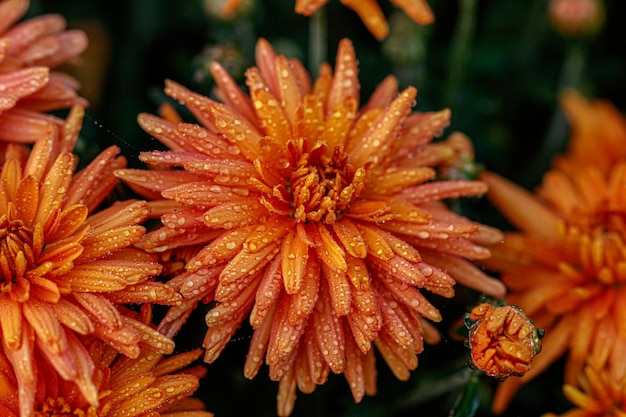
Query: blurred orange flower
x=321, y=221
x=371, y=14
x=28, y=50
x=566, y=267
x=368, y=10
x=576, y=17
x=65, y=268
x=146, y=386
x=596, y=394
x=502, y=340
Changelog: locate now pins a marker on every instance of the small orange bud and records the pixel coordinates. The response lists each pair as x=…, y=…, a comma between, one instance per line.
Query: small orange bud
x=502, y=340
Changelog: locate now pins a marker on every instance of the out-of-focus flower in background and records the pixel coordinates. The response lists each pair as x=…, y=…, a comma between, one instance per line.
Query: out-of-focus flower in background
x=566, y=267
x=372, y=15
x=321, y=220
x=65, y=266
x=595, y=394
x=28, y=51
x=576, y=17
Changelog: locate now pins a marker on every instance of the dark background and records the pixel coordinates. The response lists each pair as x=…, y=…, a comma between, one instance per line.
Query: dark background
x=502, y=91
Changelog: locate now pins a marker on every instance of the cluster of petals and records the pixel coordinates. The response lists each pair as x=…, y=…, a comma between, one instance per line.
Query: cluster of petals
x=566, y=266
x=595, y=394
x=319, y=221
x=369, y=11
x=148, y=385
x=66, y=267
x=28, y=51
x=503, y=341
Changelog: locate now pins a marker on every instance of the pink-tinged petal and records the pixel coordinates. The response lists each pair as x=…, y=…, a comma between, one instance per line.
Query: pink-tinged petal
x=267, y=294
x=266, y=62
x=73, y=317
x=396, y=181
x=25, y=126
x=101, y=309
x=11, y=11
x=150, y=338
x=466, y=273
x=242, y=212
x=436, y=191
x=259, y=344
x=70, y=43
x=199, y=105
x=23, y=82
x=328, y=331
x=288, y=89
x=149, y=184
x=240, y=133
x=7, y=101
x=284, y=335
x=345, y=81
x=394, y=362
x=231, y=94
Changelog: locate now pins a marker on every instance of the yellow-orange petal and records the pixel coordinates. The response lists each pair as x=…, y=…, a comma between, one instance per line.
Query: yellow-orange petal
x=372, y=16
x=308, y=7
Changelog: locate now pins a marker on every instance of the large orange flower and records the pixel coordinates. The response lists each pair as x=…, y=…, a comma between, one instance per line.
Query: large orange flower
x=320, y=221
x=65, y=268
x=146, y=386
x=28, y=50
x=566, y=265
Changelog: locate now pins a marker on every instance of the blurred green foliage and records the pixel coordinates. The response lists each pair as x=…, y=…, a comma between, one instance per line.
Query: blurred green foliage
x=500, y=72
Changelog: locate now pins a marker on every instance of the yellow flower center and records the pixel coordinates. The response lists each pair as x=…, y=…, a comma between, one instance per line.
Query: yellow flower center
x=321, y=185
x=598, y=251
x=58, y=407
x=16, y=252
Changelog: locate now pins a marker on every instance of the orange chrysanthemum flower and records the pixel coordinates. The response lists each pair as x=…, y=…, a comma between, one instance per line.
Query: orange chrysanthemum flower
x=368, y=10
x=64, y=269
x=566, y=267
x=503, y=341
x=371, y=14
x=597, y=394
x=146, y=386
x=320, y=221
x=27, y=86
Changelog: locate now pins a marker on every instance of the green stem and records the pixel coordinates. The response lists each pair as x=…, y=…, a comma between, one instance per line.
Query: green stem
x=318, y=40
x=571, y=77
x=462, y=39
